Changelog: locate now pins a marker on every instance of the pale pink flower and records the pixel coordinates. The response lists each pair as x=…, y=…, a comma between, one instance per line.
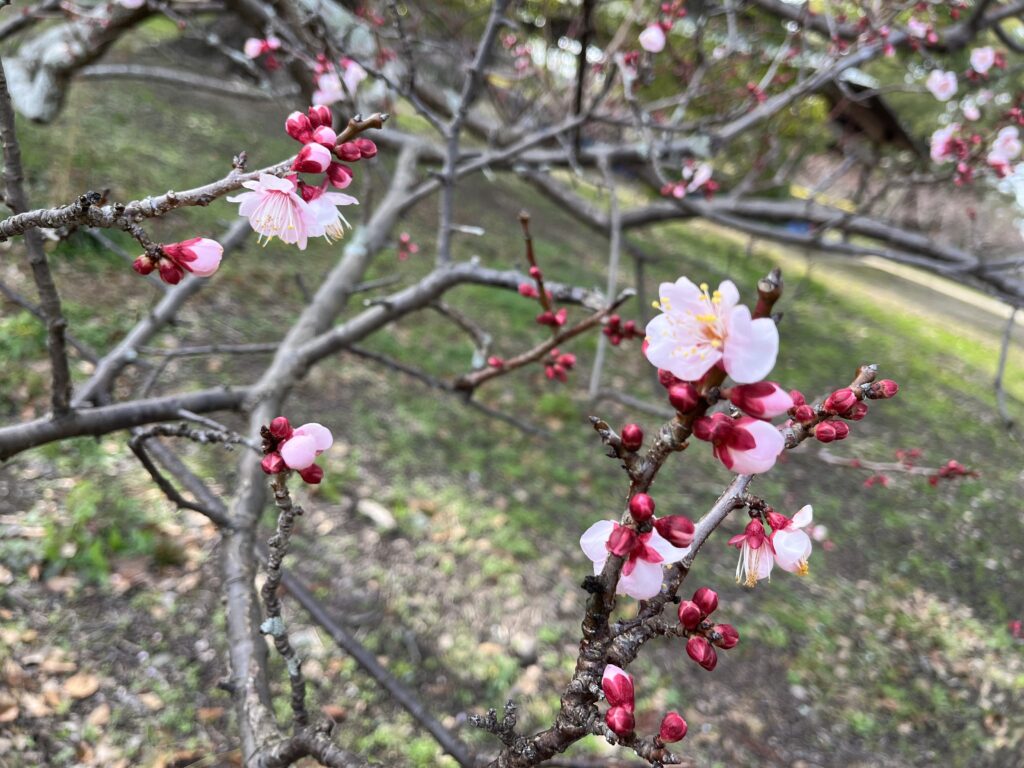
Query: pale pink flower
x=312, y=158
x=756, y=556
x=745, y=445
x=791, y=543
x=200, y=255
x=982, y=59
x=1007, y=144
x=306, y=443
x=696, y=176
x=941, y=84
x=917, y=28
x=253, y=48
x=353, y=75
x=275, y=209
x=645, y=554
x=324, y=205
x=328, y=88
x=971, y=111
x=941, y=144
x=653, y=38
x=697, y=329
x=762, y=399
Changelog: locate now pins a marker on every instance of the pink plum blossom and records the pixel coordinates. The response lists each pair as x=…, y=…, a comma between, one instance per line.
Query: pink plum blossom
x=941, y=84
x=328, y=88
x=697, y=330
x=971, y=111
x=275, y=209
x=917, y=28
x=200, y=255
x=652, y=39
x=1005, y=148
x=329, y=221
x=312, y=158
x=763, y=399
x=941, y=143
x=756, y=555
x=747, y=446
x=306, y=443
x=790, y=542
x=982, y=59
x=645, y=554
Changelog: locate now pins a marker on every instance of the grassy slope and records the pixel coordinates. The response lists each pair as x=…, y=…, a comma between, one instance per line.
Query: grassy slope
x=893, y=651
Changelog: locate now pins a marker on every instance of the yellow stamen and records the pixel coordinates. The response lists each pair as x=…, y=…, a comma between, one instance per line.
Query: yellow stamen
x=803, y=569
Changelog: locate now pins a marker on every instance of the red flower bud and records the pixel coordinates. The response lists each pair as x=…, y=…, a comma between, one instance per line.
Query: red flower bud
x=842, y=429
x=825, y=431
x=312, y=474
x=803, y=413
x=535, y=273
x=676, y=529
x=320, y=115
x=690, y=614
x=367, y=148
x=641, y=507
x=622, y=541
x=272, y=463
x=798, y=397
x=632, y=437
x=840, y=401
x=495, y=362
x=701, y=651
x=620, y=720
x=706, y=599
x=280, y=428
x=339, y=175
x=299, y=127
x=885, y=388
x=776, y=520
x=170, y=273
x=665, y=378
x=143, y=265
x=858, y=412
x=730, y=638
x=348, y=151
x=683, y=396
x=673, y=728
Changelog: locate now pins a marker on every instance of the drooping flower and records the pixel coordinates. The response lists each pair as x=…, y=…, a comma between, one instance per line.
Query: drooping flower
x=790, y=542
x=275, y=209
x=696, y=330
x=756, y=556
x=942, y=143
x=746, y=445
x=199, y=255
x=762, y=399
x=982, y=59
x=329, y=221
x=645, y=554
x=941, y=84
x=652, y=39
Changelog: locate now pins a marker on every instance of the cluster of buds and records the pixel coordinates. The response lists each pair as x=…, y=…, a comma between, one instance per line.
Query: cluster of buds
x=619, y=692
x=520, y=52
x=704, y=634
x=285, y=448
x=256, y=48
x=200, y=256
x=314, y=129
x=951, y=469
x=406, y=247
x=695, y=177
x=558, y=365
x=756, y=93
x=553, y=319
x=617, y=331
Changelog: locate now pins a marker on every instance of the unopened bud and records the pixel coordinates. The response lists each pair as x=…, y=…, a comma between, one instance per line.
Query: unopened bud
x=729, y=637
x=842, y=429
x=803, y=413
x=683, y=396
x=312, y=474
x=840, y=401
x=367, y=148
x=170, y=273
x=320, y=115
x=690, y=615
x=348, y=151
x=143, y=265
x=825, y=431
x=858, y=412
x=641, y=507
x=673, y=728
x=885, y=388
x=622, y=541
x=701, y=651
x=676, y=529
x=272, y=463
x=776, y=520
x=620, y=720
x=281, y=428
x=299, y=127
x=706, y=599
x=632, y=437
x=665, y=378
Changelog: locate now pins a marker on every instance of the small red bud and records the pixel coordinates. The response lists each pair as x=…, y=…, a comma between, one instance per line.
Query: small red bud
x=280, y=428
x=367, y=148
x=690, y=614
x=730, y=638
x=641, y=507
x=348, y=151
x=620, y=720
x=666, y=378
x=842, y=429
x=777, y=521
x=312, y=474
x=272, y=463
x=683, y=396
x=840, y=401
x=673, y=728
x=885, y=388
x=495, y=362
x=798, y=397
x=825, y=432
x=143, y=265
x=632, y=437
x=535, y=273
x=701, y=651
x=170, y=273
x=319, y=115
x=622, y=541
x=676, y=529
x=706, y=599
x=858, y=412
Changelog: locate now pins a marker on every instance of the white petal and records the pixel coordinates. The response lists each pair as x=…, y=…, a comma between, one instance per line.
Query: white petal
x=804, y=517
x=663, y=547
x=751, y=346
x=643, y=583
x=594, y=541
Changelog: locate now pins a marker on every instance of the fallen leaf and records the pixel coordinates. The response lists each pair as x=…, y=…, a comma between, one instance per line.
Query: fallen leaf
x=100, y=716
x=8, y=708
x=151, y=701
x=336, y=713
x=209, y=714
x=34, y=705
x=81, y=686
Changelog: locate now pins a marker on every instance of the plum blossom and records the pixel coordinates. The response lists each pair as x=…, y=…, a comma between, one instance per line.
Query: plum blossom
x=1005, y=149
x=285, y=448
x=971, y=111
x=756, y=555
x=763, y=399
x=697, y=330
x=982, y=59
x=199, y=255
x=332, y=86
x=652, y=39
x=275, y=209
x=617, y=685
x=790, y=542
x=255, y=47
x=747, y=446
x=917, y=28
x=942, y=143
x=941, y=84
x=645, y=553
x=329, y=221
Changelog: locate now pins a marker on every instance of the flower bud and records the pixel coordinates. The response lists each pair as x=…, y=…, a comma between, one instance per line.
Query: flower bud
x=348, y=151
x=777, y=520
x=339, y=175
x=842, y=429
x=280, y=428
x=320, y=115
x=665, y=378
x=676, y=529
x=312, y=158
x=620, y=720
x=729, y=636
x=495, y=362
x=272, y=463
x=683, y=396
x=762, y=399
x=673, y=728
x=706, y=599
x=803, y=413
x=840, y=401
x=367, y=148
x=885, y=389
x=143, y=265
x=632, y=437
x=622, y=541
x=641, y=507
x=312, y=474
x=825, y=431
x=858, y=412
x=170, y=273
x=325, y=136
x=690, y=615
x=535, y=273
x=701, y=651
x=617, y=685
x=798, y=397
x=299, y=127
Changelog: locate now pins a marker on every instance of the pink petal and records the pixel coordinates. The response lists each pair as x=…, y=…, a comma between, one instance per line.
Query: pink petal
x=321, y=435
x=751, y=347
x=208, y=255
x=299, y=451
x=653, y=38
x=762, y=457
x=804, y=517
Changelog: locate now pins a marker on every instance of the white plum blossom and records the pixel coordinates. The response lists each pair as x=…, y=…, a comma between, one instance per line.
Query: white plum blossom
x=791, y=544
x=1007, y=144
x=652, y=39
x=982, y=59
x=698, y=329
x=756, y=556
x=275, y=209
x=941, y=84
x=940, y=145
x=647, y=553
